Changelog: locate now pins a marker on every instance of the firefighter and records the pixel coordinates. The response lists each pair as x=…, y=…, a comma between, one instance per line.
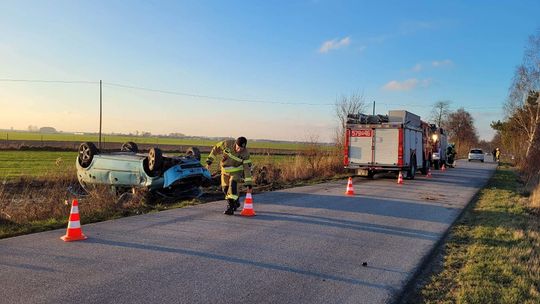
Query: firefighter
x=235, y=164
x=451, y=155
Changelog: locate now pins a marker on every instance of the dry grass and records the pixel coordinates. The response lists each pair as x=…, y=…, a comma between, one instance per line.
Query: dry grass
x=535, y=198
x=37, y=204
x=312, y=165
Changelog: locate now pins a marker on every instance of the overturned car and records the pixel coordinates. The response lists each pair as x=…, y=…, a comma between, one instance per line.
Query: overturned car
x=129, y=170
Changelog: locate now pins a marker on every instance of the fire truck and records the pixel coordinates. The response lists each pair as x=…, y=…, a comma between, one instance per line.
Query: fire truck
x=398, y=142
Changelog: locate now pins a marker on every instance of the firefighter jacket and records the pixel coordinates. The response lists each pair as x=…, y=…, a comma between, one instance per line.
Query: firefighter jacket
x=232, y=162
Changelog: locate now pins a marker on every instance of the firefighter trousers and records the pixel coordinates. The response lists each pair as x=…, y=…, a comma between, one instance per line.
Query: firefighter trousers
x=229, y=185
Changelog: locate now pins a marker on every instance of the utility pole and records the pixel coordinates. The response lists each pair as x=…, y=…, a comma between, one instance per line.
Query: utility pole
x=374, y=108
x=100, y=111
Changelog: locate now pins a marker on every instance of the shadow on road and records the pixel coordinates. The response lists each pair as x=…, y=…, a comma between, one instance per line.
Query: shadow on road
x=230, y=259
x=361, y=204
x=348, y=224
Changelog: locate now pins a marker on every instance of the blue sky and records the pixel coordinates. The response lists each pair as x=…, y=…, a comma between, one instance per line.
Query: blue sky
x=402, y=54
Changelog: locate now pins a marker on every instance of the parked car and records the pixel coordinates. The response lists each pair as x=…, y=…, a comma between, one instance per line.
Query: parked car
x=476, y=154
x=129, y=170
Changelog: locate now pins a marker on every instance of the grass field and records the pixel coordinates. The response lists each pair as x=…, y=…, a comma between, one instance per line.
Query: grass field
x=14, y=164
x=12, y=135
x=492, y=254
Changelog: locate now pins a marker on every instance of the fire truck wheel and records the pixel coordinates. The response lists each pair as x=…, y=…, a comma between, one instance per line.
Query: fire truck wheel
x=412, y=170
x=370, y=174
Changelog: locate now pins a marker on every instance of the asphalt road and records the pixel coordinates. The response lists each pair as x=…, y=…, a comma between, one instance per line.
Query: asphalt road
x=306, y=245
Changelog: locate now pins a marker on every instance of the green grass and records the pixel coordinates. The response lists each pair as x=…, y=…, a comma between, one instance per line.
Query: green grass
x=12, y=135
x=14, y=164
x=34, y=163
x=491, y=254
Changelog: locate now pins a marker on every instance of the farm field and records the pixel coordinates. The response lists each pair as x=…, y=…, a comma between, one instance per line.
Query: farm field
x=15, y=164
x=12, y=135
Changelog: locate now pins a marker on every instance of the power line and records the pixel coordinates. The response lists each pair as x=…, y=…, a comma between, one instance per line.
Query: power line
x=177, y=93
x=214, y=97
x=48, y=81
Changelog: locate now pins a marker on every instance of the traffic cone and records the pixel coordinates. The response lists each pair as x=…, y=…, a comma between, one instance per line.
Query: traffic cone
x=350, y=190
x=428, y=175
x=400, y=179
x=248, y=206
x=74, y=231
x=443, y=168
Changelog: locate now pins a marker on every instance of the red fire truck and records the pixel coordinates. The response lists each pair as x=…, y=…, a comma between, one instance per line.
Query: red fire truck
x=395, y=142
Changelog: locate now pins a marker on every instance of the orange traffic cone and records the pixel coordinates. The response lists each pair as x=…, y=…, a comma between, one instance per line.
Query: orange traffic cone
x=248, y=206
x=428, y=175
x=350, y=190
x=74, y=231
x=443, y=168
x=400, y=179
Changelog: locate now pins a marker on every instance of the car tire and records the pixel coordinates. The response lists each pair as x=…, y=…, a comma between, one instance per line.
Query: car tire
x=87, y=150
x=194, y=152
x=130, y=147
x=155, y=160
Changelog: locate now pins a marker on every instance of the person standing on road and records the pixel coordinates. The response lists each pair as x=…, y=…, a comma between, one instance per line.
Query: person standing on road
x=497, y=154
x=235, y=164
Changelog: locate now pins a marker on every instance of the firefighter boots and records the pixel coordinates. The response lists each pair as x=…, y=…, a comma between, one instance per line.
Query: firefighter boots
x=230, y=207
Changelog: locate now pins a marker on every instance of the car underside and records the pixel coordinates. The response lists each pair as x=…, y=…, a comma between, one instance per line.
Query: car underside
x=129, y=170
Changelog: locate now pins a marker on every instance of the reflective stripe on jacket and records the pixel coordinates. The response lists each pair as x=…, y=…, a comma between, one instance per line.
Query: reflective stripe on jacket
x=232, y=162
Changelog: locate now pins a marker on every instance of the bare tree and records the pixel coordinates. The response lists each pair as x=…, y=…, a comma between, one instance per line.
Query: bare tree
x=523, y=104
x=461, y=130
x=440, y=112
x=344, y=105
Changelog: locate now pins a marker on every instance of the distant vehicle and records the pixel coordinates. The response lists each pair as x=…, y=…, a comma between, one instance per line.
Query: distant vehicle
x=476, y=154
x=129, y=170
x=395, y=142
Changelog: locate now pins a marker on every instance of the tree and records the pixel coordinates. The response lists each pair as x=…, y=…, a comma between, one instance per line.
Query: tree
x=440, y=112
x=32, y=128
x=523, y=104
x=461, y=130
x=345, y=105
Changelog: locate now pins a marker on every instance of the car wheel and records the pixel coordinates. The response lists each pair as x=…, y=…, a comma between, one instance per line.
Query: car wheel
x=155, y=160
x=194, y=152
x=87, y=150
x=130, y=147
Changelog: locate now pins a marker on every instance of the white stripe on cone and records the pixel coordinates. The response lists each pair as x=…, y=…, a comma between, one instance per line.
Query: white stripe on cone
x=74, y=224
